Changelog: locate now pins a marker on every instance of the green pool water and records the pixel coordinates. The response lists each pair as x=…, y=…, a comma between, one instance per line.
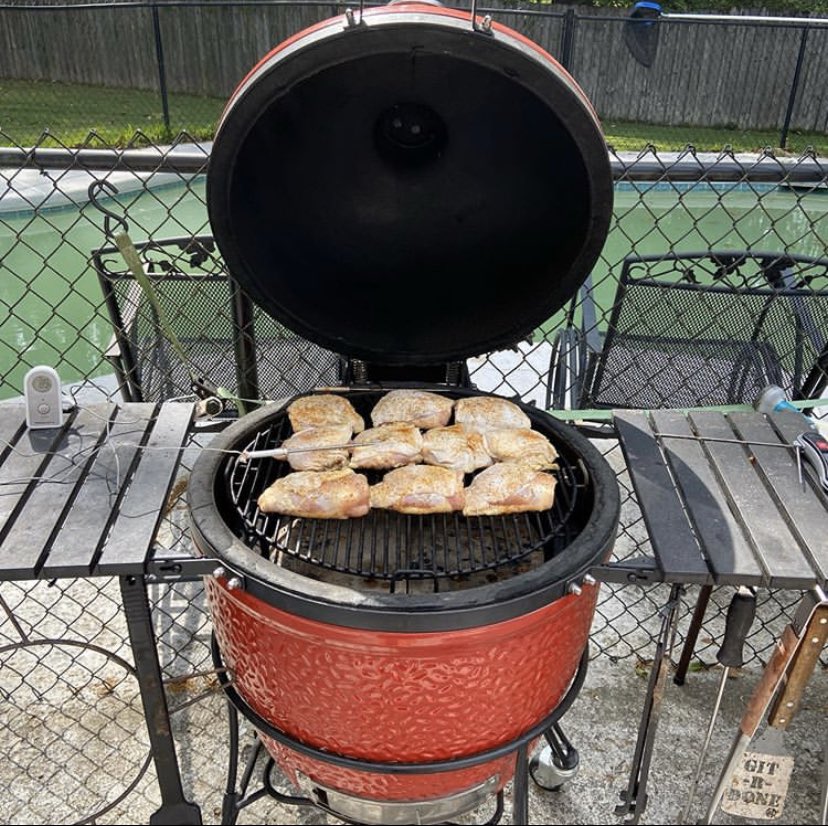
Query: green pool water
x=51, y=304
x=52, y=311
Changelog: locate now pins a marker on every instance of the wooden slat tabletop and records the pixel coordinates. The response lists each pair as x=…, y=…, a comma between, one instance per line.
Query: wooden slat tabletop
x=84, y=527
x=678, y=553
x=774, y=546
x=127, y=547
x=806, y=505
x=48, y=498
x=62, y=490
x=752, y=521
x=728, y=552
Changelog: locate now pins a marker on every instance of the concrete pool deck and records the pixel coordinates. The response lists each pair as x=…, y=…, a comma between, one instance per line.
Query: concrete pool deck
x=26, y=190
x=602, y=724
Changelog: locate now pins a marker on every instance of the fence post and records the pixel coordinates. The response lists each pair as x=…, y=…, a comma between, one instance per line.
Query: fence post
x=783, y=137
x=568, y=38
x=162, y=72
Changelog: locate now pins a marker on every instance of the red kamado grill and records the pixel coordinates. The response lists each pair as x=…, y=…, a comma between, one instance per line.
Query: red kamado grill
x=407, y=188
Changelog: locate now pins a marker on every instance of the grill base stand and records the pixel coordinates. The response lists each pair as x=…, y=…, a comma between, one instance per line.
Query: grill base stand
x=237, y=796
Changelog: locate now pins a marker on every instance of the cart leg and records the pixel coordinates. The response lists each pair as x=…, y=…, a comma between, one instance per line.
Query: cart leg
x=229, y=805
x=692, y=634
x=634, y=797
x=175, y=808
x=823, y=804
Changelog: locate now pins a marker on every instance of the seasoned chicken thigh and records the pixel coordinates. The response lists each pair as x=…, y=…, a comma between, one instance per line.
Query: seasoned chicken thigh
x=321, y=410
x=526, y=447
x=302, y=457
x=509, y=488
x=330, y=494
x=419, y=489
x=455, y=447
x=489, y=413
x=417, y=407
x=387, y=446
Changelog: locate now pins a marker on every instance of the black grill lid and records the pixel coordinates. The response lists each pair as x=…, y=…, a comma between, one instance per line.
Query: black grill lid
x=409, y=190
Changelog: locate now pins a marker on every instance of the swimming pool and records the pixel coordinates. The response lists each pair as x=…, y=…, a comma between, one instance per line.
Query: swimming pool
x=54, y=314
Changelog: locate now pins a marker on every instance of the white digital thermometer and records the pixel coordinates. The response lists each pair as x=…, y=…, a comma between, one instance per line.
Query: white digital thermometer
x=41, y=387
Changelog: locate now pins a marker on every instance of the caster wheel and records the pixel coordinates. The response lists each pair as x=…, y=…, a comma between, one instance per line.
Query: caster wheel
x=545, y=770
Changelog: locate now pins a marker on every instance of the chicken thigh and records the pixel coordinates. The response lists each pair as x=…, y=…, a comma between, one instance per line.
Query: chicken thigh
x=301, y=456
x=489, y=413
x=526, y=447
x=455, y=447
x=387, y=446
x=419, y=489
x=416, y=407
x=509, y=488
x=330, y=494
x=318, y=410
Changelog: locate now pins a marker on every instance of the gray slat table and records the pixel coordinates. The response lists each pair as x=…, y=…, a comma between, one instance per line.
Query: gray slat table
x=723, y=505
x=86, y=500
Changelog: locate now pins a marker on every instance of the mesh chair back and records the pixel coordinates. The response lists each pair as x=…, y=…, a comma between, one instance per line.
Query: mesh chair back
x=225, y=338
x=710, y=328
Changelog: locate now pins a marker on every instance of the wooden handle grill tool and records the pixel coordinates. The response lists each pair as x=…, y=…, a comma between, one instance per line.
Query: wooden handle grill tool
x=785, y=677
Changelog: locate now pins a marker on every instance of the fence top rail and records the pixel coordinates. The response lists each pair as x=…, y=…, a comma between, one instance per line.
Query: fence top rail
x=685, y=166
x=770, y=21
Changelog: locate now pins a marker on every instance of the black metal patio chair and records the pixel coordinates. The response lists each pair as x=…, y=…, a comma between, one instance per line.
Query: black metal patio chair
x=695, y=330
x=228, y=342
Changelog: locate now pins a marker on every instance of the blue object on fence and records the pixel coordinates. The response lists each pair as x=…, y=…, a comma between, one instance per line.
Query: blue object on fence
x=647, y=4
x=641, y=32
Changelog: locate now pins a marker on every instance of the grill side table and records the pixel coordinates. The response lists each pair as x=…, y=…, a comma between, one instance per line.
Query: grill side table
x=723, y=504
x=85, y=500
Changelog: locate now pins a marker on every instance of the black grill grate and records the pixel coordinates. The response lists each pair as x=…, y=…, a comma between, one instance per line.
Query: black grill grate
x=394, y=548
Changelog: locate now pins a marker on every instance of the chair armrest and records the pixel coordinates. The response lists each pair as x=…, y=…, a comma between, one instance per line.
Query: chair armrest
x=803, y=314
x=817, y=379
x=129, y=311
x=129, y=315
x=113, y=349
x=572, y=348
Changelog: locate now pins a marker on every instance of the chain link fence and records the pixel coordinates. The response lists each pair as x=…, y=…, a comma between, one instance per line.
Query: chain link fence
x=69, y=301
x=75, y=729
x=674, y=83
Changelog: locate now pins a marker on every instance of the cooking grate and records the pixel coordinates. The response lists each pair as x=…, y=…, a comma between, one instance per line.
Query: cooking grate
x=393, y=547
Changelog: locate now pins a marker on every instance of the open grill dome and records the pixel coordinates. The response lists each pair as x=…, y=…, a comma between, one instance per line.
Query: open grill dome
x=409, y=190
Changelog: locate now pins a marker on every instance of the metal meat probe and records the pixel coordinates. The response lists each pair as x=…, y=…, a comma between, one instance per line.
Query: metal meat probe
x=740, y=616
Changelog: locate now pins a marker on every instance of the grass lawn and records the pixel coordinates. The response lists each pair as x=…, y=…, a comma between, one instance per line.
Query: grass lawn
x=71, y=112
x=636, y=135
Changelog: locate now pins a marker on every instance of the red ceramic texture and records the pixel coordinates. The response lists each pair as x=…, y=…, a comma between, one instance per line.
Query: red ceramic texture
x=395, y=697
